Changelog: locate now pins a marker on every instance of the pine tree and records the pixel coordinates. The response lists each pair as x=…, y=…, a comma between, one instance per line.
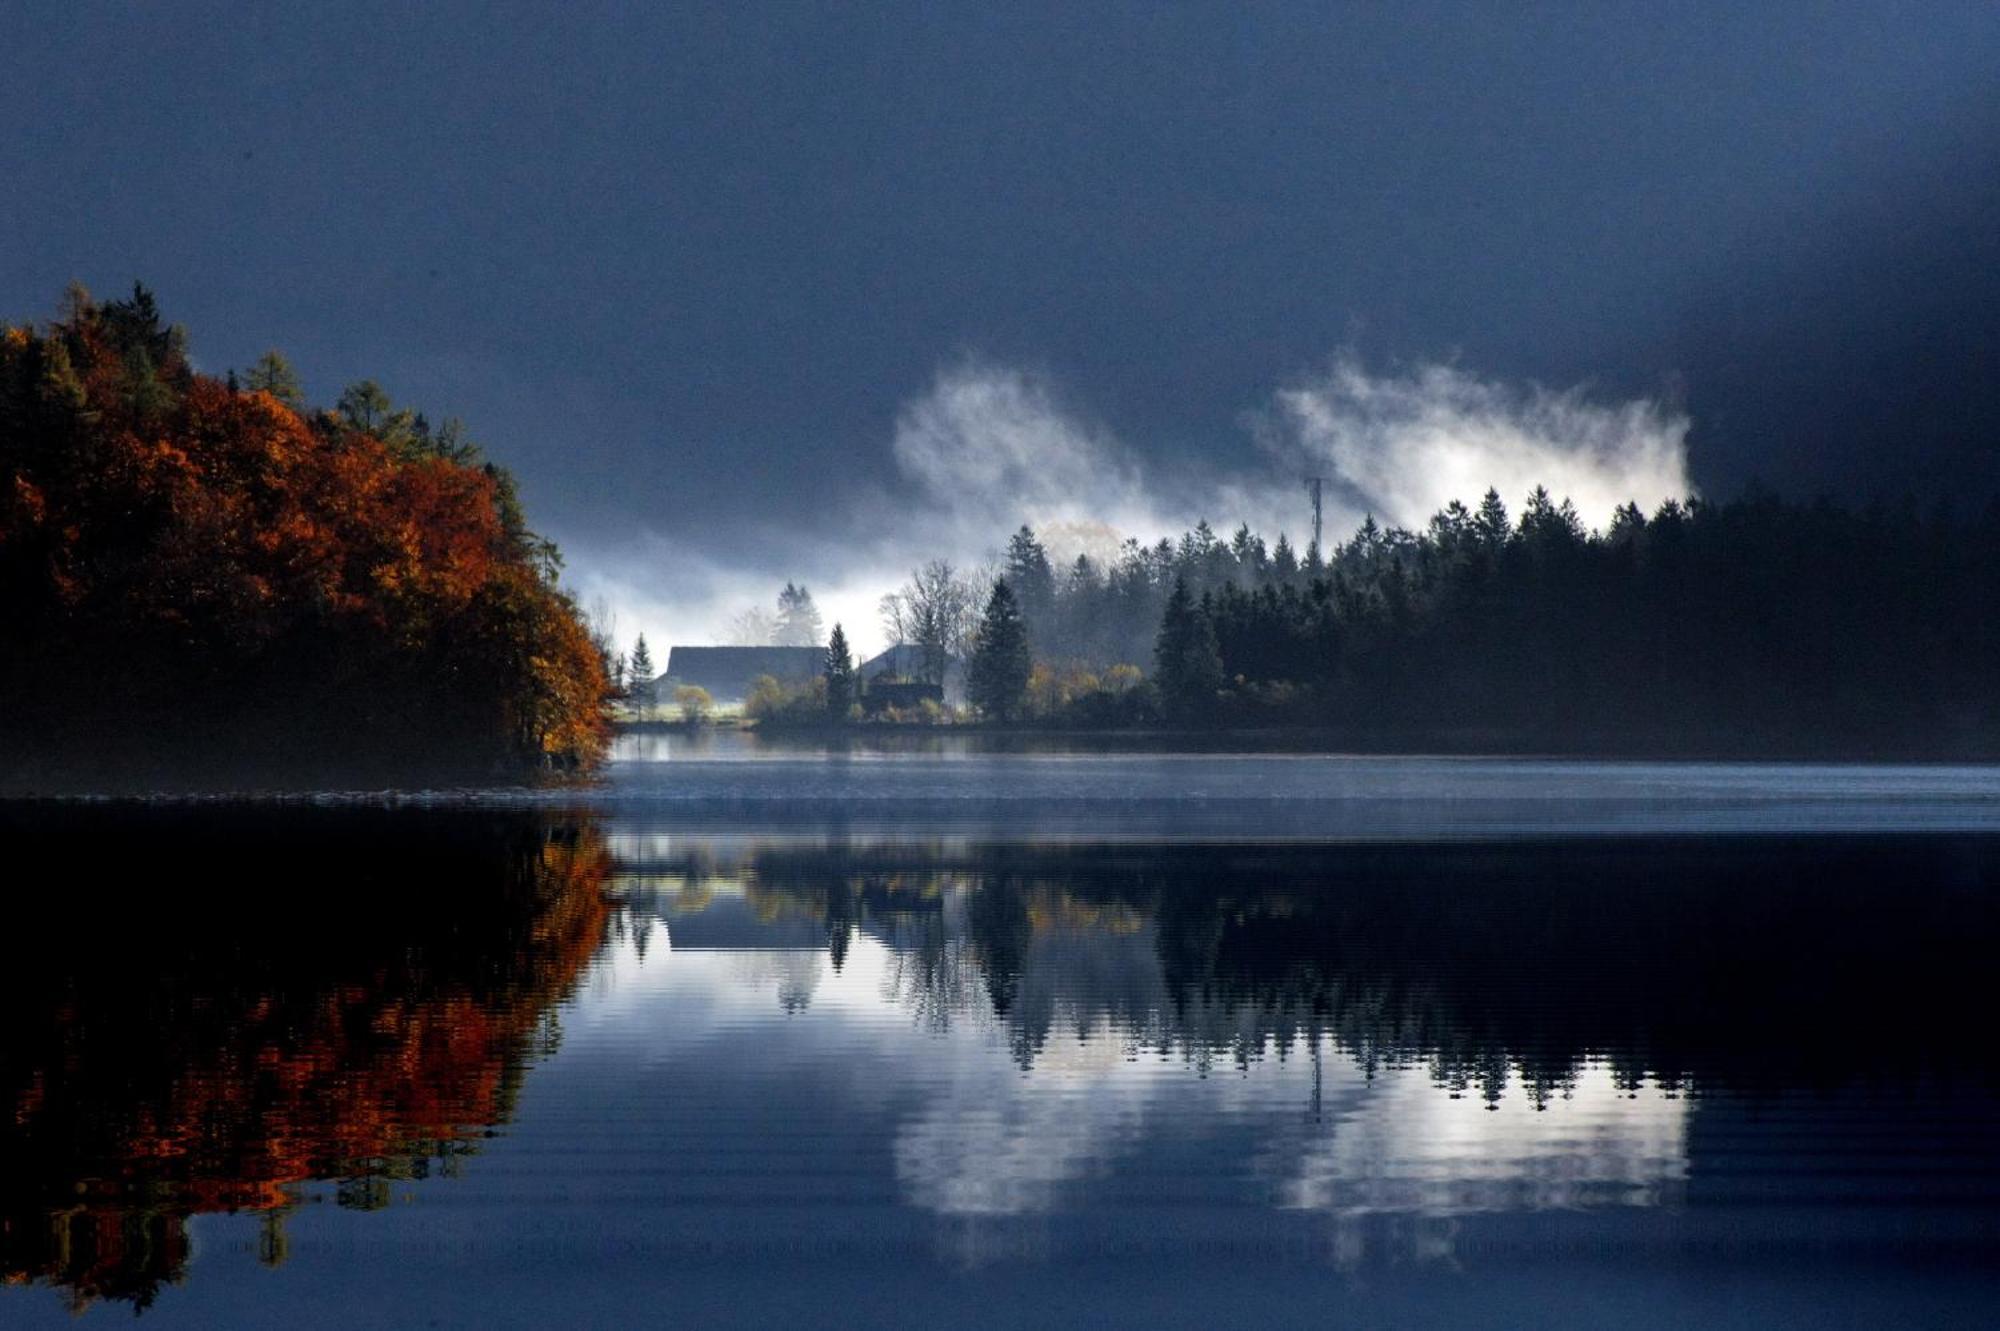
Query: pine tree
x=997, y=681
x=1284, y=561
x=840, y=691
x=640, y=673
x=1187, y=661
x=273, y=374
x=798, y=618
x=1029, y=571
x=1490, y=525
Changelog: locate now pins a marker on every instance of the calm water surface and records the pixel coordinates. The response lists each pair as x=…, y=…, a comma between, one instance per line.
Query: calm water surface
x=770, y=1036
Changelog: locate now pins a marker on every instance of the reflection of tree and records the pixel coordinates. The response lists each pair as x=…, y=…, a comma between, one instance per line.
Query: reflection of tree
x=1677, y=963
x=201, y=1013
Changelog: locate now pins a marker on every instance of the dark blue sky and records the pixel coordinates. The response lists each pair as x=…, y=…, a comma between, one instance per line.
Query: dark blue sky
x=678, y=265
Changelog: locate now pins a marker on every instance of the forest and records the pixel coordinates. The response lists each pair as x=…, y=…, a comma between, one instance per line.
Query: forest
x=209, y=575
x=1758, y=625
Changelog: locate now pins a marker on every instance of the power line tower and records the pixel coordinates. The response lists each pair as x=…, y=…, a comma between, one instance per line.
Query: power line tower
x=1315, y=486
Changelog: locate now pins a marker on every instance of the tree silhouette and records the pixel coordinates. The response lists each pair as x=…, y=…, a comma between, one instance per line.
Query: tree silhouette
x=798, y=618
x=997, y=680
x=841, y=692
x=641, y=671
x=1187, y=662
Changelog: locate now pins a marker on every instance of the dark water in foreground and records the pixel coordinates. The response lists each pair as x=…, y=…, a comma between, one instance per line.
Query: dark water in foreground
x=1007, y=1040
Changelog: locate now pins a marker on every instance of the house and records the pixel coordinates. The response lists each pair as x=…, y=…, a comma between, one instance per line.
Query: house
x=727, y=672
x=904, y=695
x=895, y=678
x=905, y=660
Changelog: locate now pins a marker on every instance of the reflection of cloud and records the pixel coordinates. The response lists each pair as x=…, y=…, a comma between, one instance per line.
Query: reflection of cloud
x=1119, y=1069
x=992, y=1142
x=1114, y=1056
x=793, y=975
x=1400, y=1144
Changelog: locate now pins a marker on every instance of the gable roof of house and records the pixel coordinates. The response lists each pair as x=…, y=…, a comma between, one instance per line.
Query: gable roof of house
x=726, y=672
x=903, y=659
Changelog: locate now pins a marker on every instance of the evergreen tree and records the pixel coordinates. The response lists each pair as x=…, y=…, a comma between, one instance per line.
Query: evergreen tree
x=798, y=618
x=1187, y=662
x=640, y=673
x=273, y=374
x=840, y=681
x=1029, y=571
x=1082, y=577
x=998, y=678
x=1490, y=525
x=1284, y=561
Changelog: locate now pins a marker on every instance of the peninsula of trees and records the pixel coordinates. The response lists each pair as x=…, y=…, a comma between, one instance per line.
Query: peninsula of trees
x=208, y=574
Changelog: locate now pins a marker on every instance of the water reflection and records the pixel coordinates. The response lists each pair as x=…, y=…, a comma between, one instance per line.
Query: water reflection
x=1740, y=962
x=201, y=1012
x=1002, y=1050
x=1421, y=1030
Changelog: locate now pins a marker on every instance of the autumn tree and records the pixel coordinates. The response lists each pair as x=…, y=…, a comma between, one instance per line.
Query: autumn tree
x=214, y=563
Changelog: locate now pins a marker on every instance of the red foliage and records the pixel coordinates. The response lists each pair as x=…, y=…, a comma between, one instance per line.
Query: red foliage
x=137, y=1099
x=171, y=546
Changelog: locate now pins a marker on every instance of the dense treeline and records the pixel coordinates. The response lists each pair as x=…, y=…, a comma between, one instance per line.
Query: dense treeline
x=206, y=569
x=1758, y=624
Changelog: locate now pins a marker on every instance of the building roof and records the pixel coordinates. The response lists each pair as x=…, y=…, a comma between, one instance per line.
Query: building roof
x=726, y=672
x=902, y=660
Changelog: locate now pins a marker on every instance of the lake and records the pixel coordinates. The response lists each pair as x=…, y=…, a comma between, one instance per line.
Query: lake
x=955, y=1032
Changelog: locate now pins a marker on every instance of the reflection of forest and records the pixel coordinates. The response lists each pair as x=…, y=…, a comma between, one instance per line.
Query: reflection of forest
x=1748, y=963
x=204, y=1010
x=200, y=1012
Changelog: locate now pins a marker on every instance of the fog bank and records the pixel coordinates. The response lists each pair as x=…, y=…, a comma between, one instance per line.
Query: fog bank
x=987, y=447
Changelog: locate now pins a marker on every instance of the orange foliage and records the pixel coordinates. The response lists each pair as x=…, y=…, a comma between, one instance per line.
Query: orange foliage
x=229, y=559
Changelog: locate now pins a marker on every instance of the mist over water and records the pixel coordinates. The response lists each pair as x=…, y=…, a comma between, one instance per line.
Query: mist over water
x=987, y=447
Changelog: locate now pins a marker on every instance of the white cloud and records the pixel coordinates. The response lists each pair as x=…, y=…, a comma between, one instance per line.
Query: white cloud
x=1404, y=445
x=987, y=447
x=991, y=448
